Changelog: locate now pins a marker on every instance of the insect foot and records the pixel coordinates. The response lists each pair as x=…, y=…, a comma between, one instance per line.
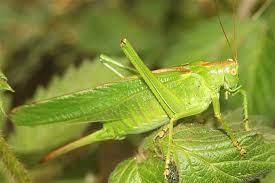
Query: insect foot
x=238, y=146
x=243, y=152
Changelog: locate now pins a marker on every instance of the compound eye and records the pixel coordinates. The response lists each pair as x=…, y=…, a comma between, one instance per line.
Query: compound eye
x=233, y=71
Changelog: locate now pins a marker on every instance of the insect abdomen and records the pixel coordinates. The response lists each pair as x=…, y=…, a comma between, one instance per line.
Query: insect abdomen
x=189, y=88
x=129, y=101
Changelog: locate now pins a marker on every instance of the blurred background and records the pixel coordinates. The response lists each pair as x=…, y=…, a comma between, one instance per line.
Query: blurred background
x=49, y=48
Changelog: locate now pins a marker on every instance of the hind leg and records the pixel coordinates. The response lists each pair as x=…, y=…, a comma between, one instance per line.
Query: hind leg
x=114, y=66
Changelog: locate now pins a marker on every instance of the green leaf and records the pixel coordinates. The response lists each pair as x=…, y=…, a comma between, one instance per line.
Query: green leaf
x=135, y=170
x=35, y=139
x=256, y=70
x=269, y=178
x=205, y=155
x=259, y=123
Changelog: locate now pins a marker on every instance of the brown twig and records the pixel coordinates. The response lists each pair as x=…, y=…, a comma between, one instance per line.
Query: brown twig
x=245, y=8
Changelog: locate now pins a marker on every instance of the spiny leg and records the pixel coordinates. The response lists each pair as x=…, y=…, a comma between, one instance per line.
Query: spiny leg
x=245, y=109
x=97, y=136
x=170, y=103
x=228, y=130
x=244, y=105
x=110, y=63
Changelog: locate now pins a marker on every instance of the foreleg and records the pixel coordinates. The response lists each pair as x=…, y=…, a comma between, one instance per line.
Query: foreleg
x=227, y=129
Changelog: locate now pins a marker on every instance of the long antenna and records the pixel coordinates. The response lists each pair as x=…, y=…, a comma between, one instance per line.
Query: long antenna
x=235, y=56
x=223, y=30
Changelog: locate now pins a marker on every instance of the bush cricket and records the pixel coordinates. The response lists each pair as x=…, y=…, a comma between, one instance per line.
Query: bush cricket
x=142, y=102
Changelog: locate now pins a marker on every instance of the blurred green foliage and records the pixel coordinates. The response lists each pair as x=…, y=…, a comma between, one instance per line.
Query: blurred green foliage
x=50, y=48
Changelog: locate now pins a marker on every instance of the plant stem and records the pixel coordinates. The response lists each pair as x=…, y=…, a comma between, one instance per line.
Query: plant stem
x=12, y=167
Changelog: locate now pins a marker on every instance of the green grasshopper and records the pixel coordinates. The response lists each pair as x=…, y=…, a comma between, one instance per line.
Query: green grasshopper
x=140, y=103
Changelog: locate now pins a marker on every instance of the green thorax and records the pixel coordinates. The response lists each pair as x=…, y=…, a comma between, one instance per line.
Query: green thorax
x=216, y=74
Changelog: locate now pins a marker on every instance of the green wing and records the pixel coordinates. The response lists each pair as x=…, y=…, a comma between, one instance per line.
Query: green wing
x=126, y=107
x=128, y=99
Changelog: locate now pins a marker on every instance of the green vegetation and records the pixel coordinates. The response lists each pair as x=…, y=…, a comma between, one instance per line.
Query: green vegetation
x=52, y=49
